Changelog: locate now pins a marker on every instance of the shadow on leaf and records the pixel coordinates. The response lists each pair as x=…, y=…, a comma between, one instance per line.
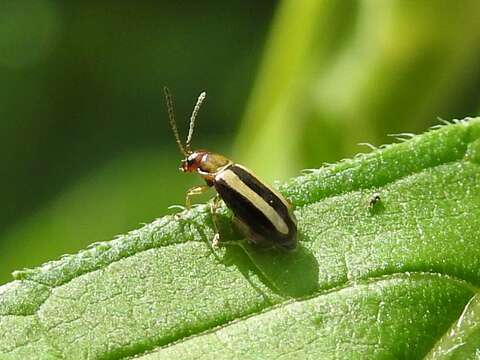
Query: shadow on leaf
x=289, y=274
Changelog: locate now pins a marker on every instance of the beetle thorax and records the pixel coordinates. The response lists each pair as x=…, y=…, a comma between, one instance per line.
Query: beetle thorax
x=204, y=162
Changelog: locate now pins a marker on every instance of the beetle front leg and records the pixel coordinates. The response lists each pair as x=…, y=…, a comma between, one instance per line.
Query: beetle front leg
x=197, y=190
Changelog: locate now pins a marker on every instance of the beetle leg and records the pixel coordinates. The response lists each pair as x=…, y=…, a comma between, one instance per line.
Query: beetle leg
x=197, y=190
x=213, y=209
x=250, y=236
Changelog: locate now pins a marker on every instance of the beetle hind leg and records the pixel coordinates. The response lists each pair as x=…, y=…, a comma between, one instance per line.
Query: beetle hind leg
x=216, y=241
x=251, y=236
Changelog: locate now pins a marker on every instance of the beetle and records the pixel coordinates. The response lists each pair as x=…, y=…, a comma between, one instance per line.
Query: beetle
x=373, y=200
x=261, y=213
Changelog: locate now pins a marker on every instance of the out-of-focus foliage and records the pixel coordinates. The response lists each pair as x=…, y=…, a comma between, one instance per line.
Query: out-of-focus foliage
x=86, y=151
x=339, y=73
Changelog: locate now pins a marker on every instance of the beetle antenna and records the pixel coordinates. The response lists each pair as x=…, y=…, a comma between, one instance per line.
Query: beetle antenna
x=171, y=116
x=200, y=100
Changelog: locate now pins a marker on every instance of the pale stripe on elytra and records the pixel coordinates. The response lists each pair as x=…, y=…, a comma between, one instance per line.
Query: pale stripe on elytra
x=272, y=189
x=235, y=183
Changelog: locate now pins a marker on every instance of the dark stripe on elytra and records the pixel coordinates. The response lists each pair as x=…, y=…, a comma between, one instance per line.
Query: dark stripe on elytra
x=264, y=192
x=248, y=213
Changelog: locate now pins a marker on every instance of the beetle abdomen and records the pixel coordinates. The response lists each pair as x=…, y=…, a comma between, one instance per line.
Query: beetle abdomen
x=265, y=212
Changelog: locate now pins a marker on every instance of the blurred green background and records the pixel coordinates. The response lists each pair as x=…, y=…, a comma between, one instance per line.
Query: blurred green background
x=86, y=148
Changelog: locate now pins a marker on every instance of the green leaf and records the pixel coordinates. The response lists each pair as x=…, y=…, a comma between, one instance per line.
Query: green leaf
x=399, y=279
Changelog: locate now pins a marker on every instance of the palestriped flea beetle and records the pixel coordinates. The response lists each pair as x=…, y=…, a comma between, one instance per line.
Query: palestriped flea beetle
x=264, y=216
x=373, y=200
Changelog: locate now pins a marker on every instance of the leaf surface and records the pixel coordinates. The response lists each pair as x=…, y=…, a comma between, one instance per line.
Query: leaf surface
x=396, y=280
